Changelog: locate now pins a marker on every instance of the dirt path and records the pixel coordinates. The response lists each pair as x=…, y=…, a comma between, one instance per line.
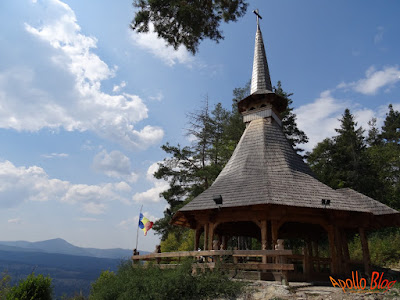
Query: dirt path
x=265, y=290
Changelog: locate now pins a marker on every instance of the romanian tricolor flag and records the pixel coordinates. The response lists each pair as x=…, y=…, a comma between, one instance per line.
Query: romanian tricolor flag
x=144, y=223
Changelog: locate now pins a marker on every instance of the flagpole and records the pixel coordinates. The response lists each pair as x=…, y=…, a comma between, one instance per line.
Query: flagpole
x=137, y=232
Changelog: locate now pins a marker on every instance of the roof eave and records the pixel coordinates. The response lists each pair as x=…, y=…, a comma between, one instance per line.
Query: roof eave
x=279, y=103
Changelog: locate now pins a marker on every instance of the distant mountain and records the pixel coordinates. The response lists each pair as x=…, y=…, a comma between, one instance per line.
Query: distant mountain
x=71, y=268
x=70, y=273
x=61, y=246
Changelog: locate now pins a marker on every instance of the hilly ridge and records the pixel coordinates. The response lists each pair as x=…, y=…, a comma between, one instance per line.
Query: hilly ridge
x=71, y=268
x=61, y=246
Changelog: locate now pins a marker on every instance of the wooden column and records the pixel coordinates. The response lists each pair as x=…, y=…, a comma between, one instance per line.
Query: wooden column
x=346, y=254
x=316, y=255
x=211, y=235
x=223, y=242
x=339, y=253
x=269, y=236
x=308, y=258
x=264, y=238
x=197, y=238
x=274, y=238
x=331, y=237
x=274, y=233
x=366, y=258
x=206, y=236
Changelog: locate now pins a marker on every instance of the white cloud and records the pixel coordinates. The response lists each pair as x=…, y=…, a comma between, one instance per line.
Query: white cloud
x=157, y=97
x=22, y=184
x=15, y=221
x=157, y=46
x=379, y=34
x=152, y=194
x=320, y=118
x=61, y=76
x=374, y=80
x=114, y=164
x=55, y=155
x=117, y=88
x=89, y=220
x=94, y=208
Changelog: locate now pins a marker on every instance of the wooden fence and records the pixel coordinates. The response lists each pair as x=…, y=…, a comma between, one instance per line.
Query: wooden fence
x=260, y=260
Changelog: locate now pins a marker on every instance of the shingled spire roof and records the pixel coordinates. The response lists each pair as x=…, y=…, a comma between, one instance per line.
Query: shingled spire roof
x=260, y=80
x=261, y=94
x=264, y=168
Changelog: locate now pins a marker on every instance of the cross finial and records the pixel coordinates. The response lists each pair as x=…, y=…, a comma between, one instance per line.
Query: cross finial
x=258, y=15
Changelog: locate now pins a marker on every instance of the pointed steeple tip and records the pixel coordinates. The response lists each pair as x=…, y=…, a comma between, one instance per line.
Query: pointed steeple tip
x=262, y=101
x=260, y=79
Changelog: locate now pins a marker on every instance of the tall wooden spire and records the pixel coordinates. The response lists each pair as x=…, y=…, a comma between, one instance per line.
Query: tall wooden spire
x=260, y=79
x=262, y=101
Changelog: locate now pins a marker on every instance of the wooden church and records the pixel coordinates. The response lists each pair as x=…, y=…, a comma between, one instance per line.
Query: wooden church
x=267, y=192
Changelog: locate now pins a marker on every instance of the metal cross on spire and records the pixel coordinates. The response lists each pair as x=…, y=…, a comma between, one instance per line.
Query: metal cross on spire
x=258, y=15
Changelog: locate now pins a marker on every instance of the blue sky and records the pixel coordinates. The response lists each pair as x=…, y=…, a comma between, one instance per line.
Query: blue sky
x=85, y=103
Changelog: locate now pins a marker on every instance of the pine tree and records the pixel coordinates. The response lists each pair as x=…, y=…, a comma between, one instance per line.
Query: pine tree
x=349, y=153
x=192, y=169
x=384, y=154
x=391, y=128
x=185, y=22
x=320, y=161
x=343, y=161
x=289, y=124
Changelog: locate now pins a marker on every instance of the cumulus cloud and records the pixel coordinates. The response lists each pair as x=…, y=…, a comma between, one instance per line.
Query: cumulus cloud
x=374, y=80
x=15, y=221
x=117, y=88
x=151, y=42
x=319, y=118
x=55, y=155
x=89, y=219
x=152, y=194
x=157, y=97
x=114, y=164
x=61, y=76
x=22, y=184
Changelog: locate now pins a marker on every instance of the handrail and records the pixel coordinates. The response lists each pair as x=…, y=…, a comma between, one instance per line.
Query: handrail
x=243, y=253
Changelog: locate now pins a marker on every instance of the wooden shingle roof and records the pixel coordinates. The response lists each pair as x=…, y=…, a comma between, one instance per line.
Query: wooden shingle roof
x=264, y=169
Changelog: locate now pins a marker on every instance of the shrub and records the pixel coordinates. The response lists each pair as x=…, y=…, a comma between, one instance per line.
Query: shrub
x=32, y=288
x=384, y=247
x=152, y=282
x=4, y=285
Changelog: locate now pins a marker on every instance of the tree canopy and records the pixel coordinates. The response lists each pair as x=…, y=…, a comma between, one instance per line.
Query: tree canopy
x=368, y=163
x=186, y=22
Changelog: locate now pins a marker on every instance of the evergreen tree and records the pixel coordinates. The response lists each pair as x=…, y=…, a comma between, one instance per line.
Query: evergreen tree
x=320, y=161
x=373, y=138
x=192, y=169
x=343, y=161
x=391, y=128
x=292, y=132
x=384, y=153
x=186, y=22
x=349, y=153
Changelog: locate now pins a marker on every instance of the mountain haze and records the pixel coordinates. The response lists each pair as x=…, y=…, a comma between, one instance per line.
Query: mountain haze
x=61, y=246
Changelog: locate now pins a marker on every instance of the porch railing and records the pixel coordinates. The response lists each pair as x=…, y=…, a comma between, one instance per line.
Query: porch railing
x=271, y=260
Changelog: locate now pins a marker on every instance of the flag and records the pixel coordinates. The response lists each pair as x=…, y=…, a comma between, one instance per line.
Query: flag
x=144, y=223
